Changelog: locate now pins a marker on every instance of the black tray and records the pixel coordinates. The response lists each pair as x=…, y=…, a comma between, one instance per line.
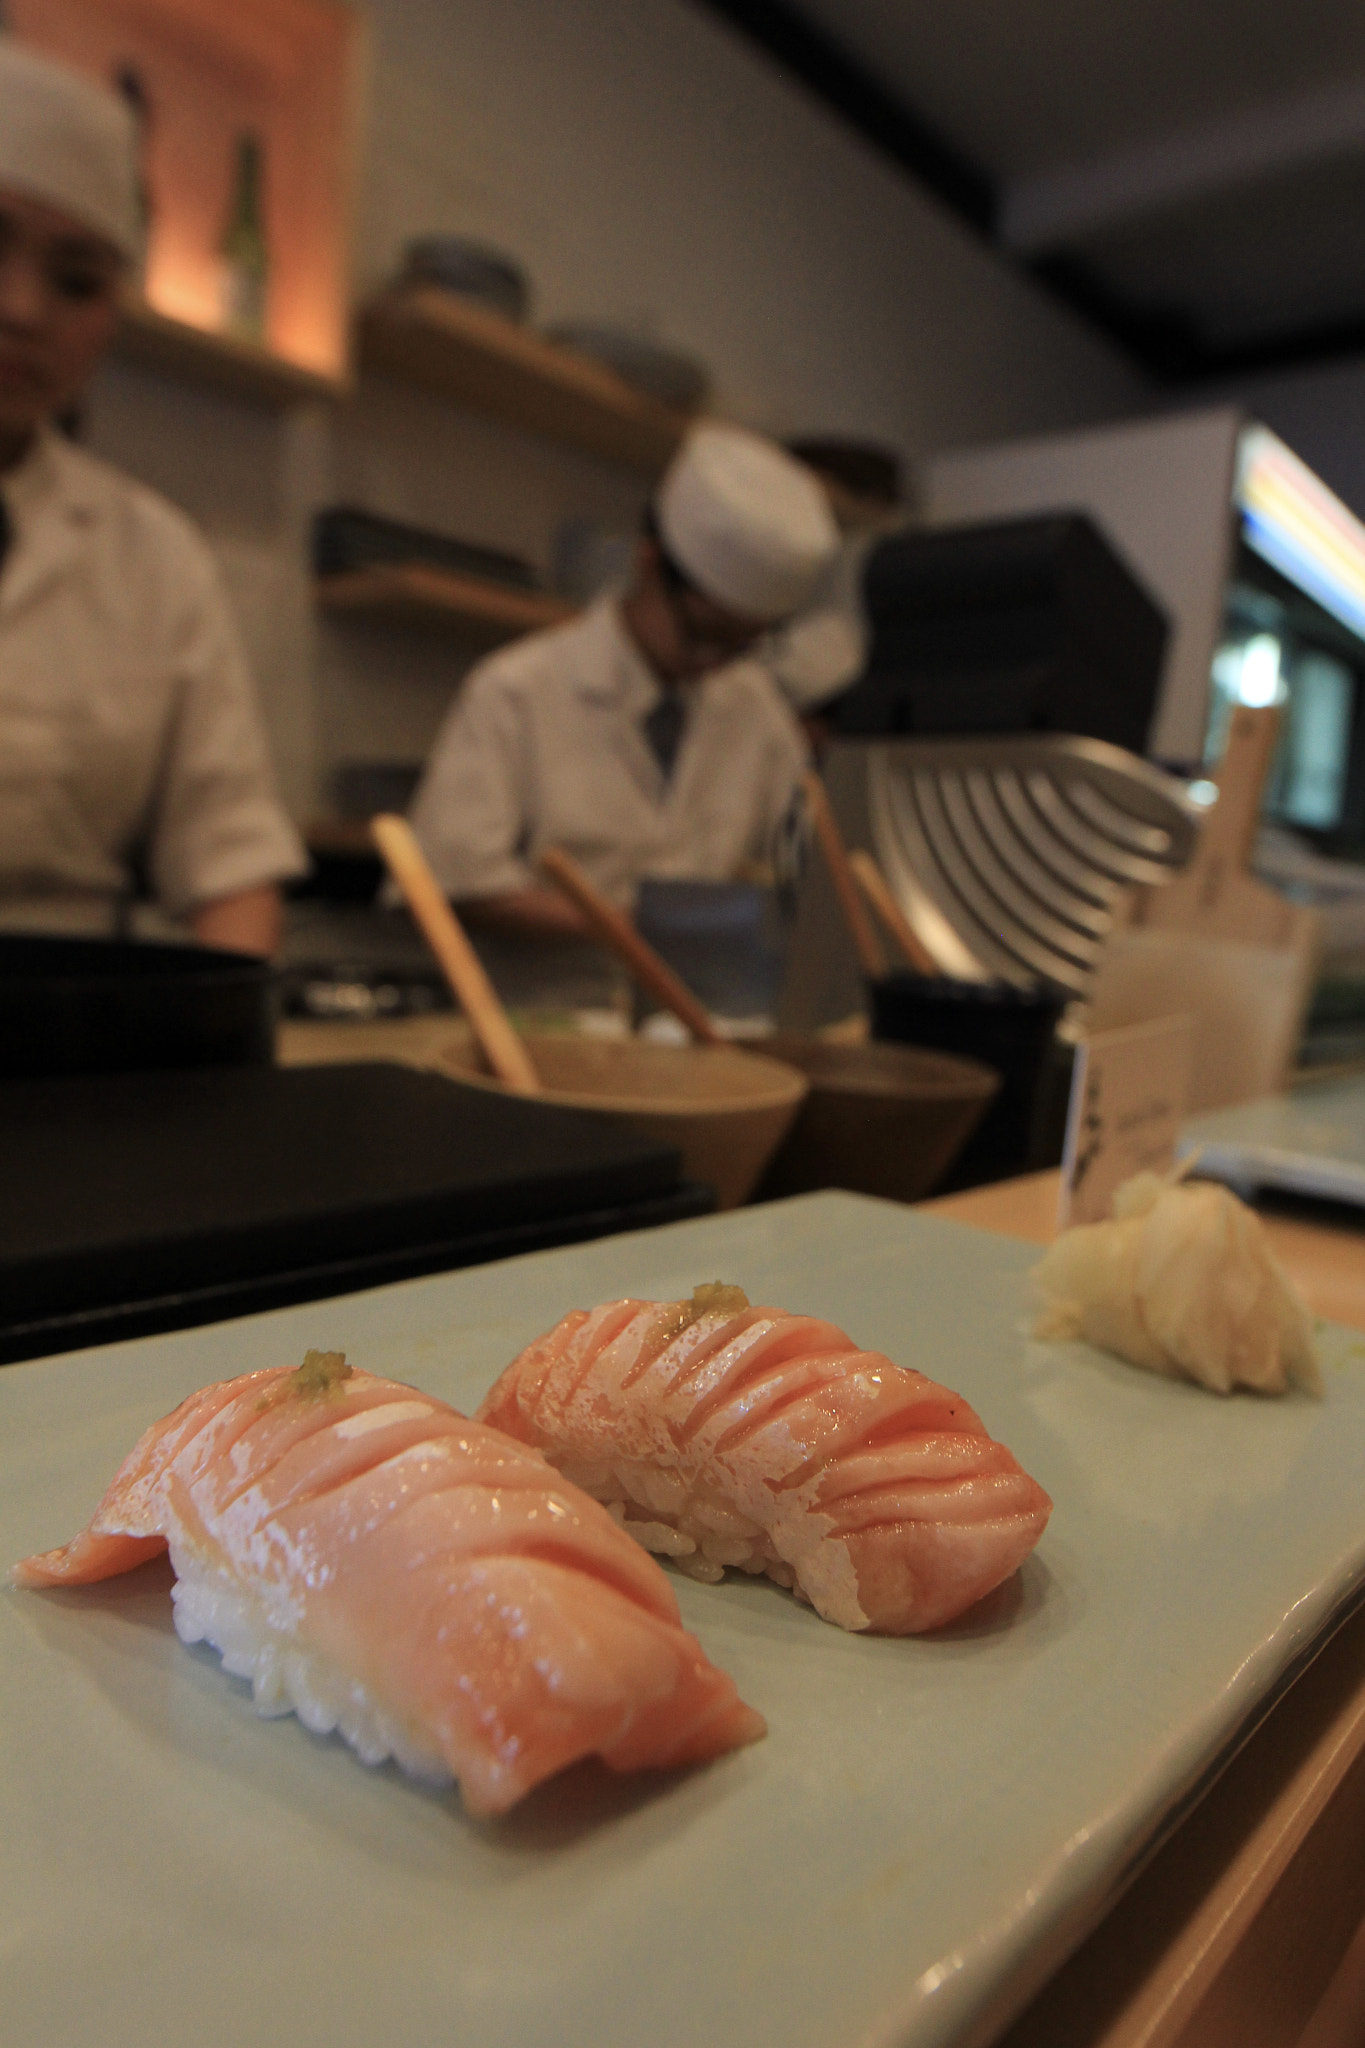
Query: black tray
x=88, y=1006
x=139, y=1202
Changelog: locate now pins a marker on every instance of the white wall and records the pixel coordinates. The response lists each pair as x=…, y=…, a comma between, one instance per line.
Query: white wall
x=646, y=165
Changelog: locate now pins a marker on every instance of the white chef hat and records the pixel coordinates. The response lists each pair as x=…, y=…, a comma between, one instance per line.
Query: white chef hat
x=70, y=144
x=746, y=523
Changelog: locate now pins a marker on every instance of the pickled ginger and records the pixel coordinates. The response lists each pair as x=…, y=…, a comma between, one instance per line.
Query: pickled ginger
x=1181, y=1281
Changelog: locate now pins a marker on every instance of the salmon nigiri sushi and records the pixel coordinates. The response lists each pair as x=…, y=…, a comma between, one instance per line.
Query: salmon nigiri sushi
x=722, y=1434
x=375, y=1562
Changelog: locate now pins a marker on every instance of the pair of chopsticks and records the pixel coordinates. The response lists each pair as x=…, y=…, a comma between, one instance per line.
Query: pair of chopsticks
x=475, y=993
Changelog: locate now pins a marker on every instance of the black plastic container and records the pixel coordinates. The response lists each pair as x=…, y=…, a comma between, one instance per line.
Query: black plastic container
x=1010, y=1029
x=99, y=1006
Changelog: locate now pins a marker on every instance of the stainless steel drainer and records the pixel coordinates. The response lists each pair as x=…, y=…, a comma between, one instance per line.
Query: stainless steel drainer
x=1009, y=855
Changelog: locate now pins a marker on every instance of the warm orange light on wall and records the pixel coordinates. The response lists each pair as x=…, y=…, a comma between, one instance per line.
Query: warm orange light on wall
x=282, y=69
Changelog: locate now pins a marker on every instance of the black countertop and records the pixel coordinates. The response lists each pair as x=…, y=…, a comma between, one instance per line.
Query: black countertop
x=133, y=1202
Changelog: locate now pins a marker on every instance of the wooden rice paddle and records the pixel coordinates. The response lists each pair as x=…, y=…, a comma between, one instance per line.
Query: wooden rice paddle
x=841, y=873
x=460, y=964
x=877, y=890
x=616, y=931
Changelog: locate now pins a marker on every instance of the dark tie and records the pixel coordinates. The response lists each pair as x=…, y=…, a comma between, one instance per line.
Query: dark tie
x=664, y=729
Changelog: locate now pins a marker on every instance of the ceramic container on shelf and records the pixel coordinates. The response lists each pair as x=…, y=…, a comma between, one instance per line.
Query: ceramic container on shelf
x=675, y=379
x=471, y=269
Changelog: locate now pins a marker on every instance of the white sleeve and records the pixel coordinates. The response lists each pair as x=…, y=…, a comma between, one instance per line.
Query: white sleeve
x=218, y=826
x=470, y=811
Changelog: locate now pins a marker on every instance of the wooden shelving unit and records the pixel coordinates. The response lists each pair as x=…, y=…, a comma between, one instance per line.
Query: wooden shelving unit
x=178, y=349
x=463, y=351
x=415, y=594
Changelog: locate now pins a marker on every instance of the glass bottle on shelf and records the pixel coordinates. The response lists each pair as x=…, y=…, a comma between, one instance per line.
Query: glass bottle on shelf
x=131, y=86
x=243, y=252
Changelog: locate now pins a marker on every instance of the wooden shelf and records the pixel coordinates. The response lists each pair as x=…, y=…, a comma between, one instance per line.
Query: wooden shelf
x=219, y=360
x=465, y=352
x=413, y=593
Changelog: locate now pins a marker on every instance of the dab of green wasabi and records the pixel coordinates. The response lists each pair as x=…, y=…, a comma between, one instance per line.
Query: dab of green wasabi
x=717, y=1298
x=319, y=1375
x=712, y=1298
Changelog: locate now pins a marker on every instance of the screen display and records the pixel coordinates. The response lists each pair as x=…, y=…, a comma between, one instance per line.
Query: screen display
x=1294, y=635
x=1293, y=522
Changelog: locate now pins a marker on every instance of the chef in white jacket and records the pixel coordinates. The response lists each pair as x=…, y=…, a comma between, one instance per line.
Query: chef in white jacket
x=129, y=734
x=641, y=737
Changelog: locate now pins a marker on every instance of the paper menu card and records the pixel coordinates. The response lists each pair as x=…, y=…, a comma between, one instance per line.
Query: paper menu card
x=1128, y=1091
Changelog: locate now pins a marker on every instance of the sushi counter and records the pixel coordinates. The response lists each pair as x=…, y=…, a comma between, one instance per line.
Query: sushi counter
x=1120, y=1801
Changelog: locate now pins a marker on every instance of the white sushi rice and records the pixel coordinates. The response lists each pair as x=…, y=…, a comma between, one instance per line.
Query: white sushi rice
x=211, y=1607
x=704, y=1535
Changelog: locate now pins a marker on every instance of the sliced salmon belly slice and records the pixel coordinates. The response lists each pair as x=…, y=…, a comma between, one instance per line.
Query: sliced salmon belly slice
x=379, y=1563
x=741, y=1436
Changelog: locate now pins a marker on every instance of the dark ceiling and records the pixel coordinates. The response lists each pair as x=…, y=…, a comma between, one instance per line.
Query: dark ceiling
x=1191, y=179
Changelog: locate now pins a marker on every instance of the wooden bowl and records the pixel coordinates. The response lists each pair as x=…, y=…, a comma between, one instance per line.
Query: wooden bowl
x=727, y=1111
x=880, y=1119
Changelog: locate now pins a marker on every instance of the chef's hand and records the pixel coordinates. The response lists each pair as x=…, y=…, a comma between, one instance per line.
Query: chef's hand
x=249, y=922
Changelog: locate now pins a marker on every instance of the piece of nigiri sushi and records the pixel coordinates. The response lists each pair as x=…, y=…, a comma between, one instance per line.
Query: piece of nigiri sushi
x=723, y=1434
x=381, y=1565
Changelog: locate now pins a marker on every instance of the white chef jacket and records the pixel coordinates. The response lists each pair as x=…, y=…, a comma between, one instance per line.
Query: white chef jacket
x=127, y=716
x=545, y=746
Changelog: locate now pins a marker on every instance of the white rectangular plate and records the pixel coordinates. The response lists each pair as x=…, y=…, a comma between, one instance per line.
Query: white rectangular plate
x=928, y=1827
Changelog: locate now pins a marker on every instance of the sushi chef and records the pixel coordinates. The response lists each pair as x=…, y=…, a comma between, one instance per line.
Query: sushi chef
x=129, y=735
x=642, y=737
